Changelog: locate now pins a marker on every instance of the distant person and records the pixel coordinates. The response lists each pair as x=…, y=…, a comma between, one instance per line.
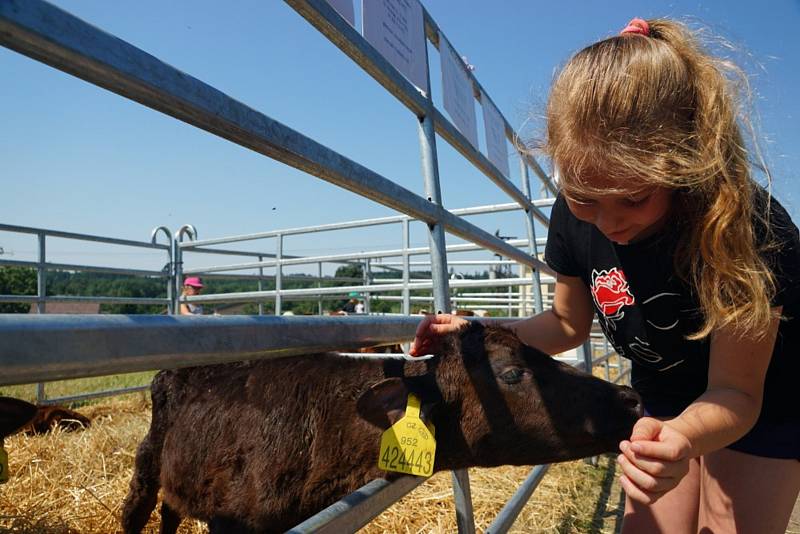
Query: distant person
x=350, y=306
x=191, y=286
x=359, y=307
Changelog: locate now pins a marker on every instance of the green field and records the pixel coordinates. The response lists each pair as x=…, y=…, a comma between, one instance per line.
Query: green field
x=63, y=388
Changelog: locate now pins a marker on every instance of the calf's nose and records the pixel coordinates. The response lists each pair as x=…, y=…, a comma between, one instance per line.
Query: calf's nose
x=632, y=400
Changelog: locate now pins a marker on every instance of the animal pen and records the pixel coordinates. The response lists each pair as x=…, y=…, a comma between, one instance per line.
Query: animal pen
x=41, y=348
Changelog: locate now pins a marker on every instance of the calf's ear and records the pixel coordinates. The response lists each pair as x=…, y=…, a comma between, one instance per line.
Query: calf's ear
x=14, y=414
x=384, y=403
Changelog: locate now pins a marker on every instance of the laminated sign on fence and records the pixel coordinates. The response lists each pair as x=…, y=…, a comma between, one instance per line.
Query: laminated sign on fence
x=496, y=148
x=397, y=30
x=457, y=92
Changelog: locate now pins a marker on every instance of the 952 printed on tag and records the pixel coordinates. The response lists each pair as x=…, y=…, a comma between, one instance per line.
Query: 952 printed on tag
x=408, y=446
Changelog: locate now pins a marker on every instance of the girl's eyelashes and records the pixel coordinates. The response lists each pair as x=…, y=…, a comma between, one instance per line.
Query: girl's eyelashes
x=636, y=201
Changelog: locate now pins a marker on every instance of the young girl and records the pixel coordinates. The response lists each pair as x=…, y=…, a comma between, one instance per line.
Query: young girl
x=191, y=286
x=693, y=271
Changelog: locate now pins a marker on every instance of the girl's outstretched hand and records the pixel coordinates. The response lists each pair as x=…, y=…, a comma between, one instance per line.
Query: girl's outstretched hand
x=431, y=328
x=654, y=460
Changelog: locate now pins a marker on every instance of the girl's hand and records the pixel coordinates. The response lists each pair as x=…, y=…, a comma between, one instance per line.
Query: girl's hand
x=431, y=328
x=654, y=460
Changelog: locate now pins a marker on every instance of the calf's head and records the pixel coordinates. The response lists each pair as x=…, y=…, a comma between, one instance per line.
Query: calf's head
x=496, y=401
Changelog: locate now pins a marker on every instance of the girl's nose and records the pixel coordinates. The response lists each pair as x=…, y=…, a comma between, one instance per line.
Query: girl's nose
x=605, y=221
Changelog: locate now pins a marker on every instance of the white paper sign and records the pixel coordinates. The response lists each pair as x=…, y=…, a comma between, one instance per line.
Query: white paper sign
x=396, y=29
x=345, y=9
x=457, y=92
x=496, y=148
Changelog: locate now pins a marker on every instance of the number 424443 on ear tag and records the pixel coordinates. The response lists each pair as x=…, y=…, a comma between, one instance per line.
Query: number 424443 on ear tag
x=408, y=446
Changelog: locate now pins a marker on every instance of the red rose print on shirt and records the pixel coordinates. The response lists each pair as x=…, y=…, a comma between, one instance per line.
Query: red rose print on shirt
x=610, y=292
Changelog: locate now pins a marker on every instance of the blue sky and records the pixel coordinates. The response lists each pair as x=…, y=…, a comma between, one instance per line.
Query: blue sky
x=77, y=158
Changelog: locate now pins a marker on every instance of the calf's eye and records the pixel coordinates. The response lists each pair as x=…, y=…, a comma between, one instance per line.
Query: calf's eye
x=512, y=376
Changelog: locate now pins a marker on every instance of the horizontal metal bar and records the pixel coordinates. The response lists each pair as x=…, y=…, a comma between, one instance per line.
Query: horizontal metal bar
x=95, y=395
x=250, y=296
x=55, y=37
x=333, y=258
x=82, y=268
x=19, y=298
x=72, y=298
x=360, y=223
x=502, y=523
x=20, y=263
x=187, y=246
x=40, y=348
x=359, y=508
x=296, y=231
x=449, y=263
x=71, y=235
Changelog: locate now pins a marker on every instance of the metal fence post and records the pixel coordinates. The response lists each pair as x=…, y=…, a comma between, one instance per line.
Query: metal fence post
x=41, y=294
x=441, y=287
x=532, y=247
x=319, y=284
x=261, y=286
x=186, y=229
x=278, y=273
x=172, y=300
x=406, y=267
x=367, y=279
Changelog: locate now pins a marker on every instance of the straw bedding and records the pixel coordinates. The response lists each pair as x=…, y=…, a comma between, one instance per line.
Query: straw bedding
x=75, y=483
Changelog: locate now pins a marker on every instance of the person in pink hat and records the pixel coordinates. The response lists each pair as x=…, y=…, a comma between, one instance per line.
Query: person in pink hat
x=191, y=286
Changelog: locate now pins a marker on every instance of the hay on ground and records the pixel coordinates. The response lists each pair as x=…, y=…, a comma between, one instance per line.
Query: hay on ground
x=75, y=482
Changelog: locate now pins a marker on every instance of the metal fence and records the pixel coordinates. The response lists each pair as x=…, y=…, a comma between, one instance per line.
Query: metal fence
x=48, y=348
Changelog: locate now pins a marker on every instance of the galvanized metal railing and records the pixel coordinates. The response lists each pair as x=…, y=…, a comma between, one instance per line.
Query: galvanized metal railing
x=52, y=36
x=40, y=300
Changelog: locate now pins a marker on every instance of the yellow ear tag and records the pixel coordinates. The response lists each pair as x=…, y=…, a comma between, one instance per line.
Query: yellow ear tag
x=3, y=466
x=409, y=445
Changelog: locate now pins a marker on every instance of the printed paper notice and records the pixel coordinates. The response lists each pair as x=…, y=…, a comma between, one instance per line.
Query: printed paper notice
x=396, y=29
x=345, y=9
x=496, y=148
x=457, y=92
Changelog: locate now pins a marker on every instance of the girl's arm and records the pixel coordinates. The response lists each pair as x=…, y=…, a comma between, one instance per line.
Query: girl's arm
x=657, y=456
x=565, y=325
x=732, y=402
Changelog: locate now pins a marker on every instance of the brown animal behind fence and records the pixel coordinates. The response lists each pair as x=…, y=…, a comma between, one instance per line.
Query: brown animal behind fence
x=260, y=446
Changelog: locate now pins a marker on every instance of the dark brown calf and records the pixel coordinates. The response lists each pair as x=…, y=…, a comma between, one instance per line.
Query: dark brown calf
x=259, y=446
x=49, y=417
x=14, y=414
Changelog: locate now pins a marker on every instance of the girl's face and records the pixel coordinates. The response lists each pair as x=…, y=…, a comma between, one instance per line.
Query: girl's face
x=625, y=218
x=191, y=290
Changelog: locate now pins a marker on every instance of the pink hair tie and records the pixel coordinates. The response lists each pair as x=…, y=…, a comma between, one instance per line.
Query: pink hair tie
x=639, y=26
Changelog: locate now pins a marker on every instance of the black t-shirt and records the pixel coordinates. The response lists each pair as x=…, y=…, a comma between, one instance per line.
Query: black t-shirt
x=646, y=311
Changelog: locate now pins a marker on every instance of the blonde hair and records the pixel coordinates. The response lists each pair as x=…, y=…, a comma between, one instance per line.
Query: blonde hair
x=657, y=110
